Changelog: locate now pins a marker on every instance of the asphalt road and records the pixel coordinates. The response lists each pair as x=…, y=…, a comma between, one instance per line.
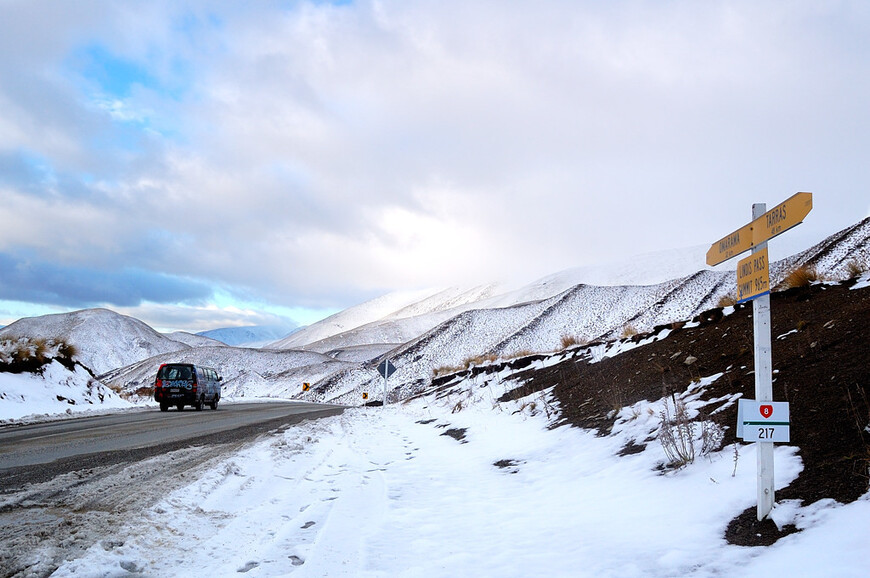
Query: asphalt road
x=40, y=451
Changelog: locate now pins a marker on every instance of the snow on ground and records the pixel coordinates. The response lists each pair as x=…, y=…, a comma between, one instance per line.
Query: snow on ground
x=384, y=492
x=56, y=391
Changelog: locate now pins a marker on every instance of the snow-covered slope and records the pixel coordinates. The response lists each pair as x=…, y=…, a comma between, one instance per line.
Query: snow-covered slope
x=104, y=339
x=57, y=390
x=352, y=318
x=582, y=312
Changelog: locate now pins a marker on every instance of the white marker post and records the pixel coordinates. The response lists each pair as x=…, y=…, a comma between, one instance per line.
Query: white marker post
x=753, y=282
x=763, y=382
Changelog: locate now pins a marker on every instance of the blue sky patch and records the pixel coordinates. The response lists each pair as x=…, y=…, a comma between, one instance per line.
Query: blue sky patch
x=116, y=76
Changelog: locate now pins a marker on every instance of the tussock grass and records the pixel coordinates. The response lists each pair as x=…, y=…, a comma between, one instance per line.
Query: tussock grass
x=572, y=340
x=727, y=301
x=32, y=354
x=628, y=331
x=856, y=268
x=800, y=277
x=466, y=364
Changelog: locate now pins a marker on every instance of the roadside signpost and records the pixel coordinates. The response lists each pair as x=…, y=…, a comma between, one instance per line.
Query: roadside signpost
x=386, y=369
x=761, y=420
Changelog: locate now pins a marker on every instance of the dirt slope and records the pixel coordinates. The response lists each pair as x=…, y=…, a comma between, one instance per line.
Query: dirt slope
x=820, y=356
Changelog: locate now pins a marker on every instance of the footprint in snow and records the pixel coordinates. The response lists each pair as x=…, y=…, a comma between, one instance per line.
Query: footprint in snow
x=248, y=567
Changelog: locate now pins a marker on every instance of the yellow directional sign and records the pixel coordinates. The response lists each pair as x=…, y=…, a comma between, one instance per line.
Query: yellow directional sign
x=774, y=222
x=306, y=386
x=730, y=245
x=753, y=276
x=782, y=217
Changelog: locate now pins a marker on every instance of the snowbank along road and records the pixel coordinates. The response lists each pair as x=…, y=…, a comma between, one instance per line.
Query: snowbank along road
x=60, y=497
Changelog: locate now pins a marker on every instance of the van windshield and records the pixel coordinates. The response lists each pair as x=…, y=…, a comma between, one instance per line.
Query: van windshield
x=174, y=372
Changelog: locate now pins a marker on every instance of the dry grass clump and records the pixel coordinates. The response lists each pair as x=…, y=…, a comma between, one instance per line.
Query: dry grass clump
x=628, y=331
x=479, y=360
x=729, y=300
x=520, y=353
x=800, y=277
x=572, y=340
x=856, y=268
x=466, y=364
x=29, y=355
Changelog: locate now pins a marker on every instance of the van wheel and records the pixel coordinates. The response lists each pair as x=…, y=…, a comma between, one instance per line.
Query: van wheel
x=214, y=402
x=180, y=407
x=164, y=407
x=198, y=405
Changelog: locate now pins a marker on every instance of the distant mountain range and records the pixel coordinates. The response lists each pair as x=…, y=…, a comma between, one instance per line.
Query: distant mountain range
x=250, y=335
x=427, y=330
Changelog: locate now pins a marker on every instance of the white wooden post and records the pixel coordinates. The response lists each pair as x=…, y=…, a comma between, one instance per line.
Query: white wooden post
x=763, y=383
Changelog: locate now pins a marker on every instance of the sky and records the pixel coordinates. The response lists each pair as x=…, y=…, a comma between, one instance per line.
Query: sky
x=202, y=164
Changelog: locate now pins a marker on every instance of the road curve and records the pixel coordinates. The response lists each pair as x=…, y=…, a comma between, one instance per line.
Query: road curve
x=109, y=438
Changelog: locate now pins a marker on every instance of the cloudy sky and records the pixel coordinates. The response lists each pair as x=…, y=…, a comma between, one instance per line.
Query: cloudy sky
x=200, y=164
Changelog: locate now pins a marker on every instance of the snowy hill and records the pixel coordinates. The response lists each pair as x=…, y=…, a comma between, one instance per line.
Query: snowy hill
x=582, y=312
x=104, y=339
x=250, y=335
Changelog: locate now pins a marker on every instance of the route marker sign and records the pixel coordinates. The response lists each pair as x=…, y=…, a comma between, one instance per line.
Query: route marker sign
x=753, y=276
x=763, y=421
x=774, y=222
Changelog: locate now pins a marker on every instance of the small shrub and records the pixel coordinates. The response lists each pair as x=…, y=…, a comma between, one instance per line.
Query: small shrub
x=800, y=277
x=677, y=434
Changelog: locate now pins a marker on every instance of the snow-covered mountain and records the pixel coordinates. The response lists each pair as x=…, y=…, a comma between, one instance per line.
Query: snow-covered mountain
x=422, y=332
x=250, y=335
x=105, y=340
x=581, y=313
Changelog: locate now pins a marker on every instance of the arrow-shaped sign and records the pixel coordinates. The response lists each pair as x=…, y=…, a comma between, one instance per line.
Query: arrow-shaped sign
x=774, y=222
